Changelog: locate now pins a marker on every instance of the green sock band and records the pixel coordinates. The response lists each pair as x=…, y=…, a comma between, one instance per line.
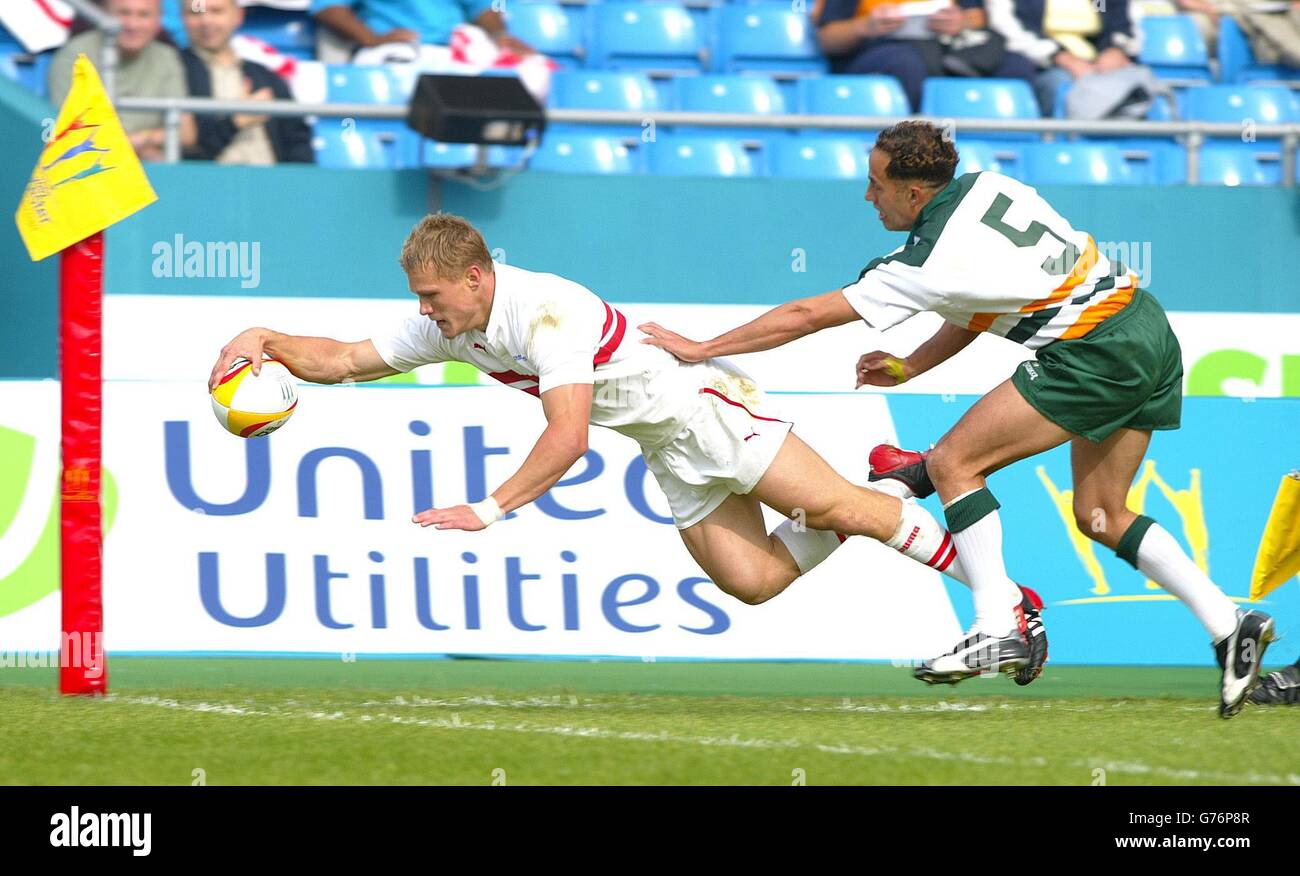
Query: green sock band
x=969, y=510
x=1127, y=550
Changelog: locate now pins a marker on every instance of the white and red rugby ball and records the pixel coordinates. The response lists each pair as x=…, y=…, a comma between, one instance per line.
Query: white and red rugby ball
x=250, y=405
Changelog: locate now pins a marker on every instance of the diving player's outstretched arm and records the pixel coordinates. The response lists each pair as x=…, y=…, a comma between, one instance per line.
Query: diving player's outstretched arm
x=778, y=326
x=318, y=360
x=568, y=413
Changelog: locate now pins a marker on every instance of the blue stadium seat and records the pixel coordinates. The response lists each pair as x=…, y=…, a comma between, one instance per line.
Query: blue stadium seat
x=980, y=99
x=852, y=96
x=291, y=33
x=756, y=95
x=1236, y=103
x=28, y=70
x=554, y=30
x=1237, y=61
x=584, y=153
x=450, y=156
x=349, y=146
x=1153, y=160
x=818, y=158
x=1001, y=156
x=605, y=90
x=766, y=38
x=677, y=155
x=391, y=138
x=1172, y=46
x=644, y=36
x=1076, y=164
x=1240, y=164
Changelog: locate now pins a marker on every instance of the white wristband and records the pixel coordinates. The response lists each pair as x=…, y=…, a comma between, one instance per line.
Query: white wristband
x=487, y=511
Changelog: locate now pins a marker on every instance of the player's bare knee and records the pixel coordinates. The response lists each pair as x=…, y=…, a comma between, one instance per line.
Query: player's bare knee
x=1095, y=520
x=943, y=464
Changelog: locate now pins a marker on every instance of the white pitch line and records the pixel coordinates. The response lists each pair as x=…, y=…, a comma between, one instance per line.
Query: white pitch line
x=455, y=722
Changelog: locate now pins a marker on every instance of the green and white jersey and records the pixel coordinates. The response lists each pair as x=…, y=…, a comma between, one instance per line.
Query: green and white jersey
x=988, y=254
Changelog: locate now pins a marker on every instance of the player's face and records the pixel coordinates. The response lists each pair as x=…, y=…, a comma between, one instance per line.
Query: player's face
x=892, y=198
x=455, y=306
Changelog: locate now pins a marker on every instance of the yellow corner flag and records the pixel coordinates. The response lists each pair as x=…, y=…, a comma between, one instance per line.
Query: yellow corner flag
x=88, y=175
x=1279, y=549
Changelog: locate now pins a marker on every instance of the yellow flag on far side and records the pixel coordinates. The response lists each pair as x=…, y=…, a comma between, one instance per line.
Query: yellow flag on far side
x=88, y=176
x=1279, y=550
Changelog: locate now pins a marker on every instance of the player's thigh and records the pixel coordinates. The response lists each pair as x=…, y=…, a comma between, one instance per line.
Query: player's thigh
x=1001, y=428
x=733, y=547
x=802, y=485
x=1104, y=471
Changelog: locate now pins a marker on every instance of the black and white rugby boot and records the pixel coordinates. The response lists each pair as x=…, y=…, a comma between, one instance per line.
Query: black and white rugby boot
x=1031, y=608
x=1281, y=688
x=1240, y=656
x=905, y=466
x=976, y=654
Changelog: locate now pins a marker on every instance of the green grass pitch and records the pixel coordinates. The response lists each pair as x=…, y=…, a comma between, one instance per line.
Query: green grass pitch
x=283, y=721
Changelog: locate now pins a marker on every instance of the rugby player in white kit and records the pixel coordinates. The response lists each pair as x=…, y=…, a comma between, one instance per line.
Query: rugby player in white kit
x=704, y=431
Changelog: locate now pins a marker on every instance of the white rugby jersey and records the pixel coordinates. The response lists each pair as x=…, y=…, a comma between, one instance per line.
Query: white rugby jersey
x=988, y=254
x=545, y=331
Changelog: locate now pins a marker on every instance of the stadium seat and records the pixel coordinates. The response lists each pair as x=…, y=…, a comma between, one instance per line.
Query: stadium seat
x=1240, y=164
x=350, y=146
x=397, y=144
x=766, y=38
x=1153, y=160
x=677, y=155
x=661, y=37
x=1237, y=61
x=450, y=156
x=1173, y=47
x=1235, y=103
x=28, y=70
x=980, y=99
x=751, y=95
x=554, y=30
x=605, y=90
x=290, y=33
x=1001, y=156
x=584, y=153
x=1076, y=164
x=852, y=96
x=818, y=158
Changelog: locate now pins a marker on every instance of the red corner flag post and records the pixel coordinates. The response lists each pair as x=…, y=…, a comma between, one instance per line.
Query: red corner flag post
x=87, y=178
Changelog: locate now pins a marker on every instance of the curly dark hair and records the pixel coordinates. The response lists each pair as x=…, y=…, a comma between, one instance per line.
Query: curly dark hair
x=918, y=151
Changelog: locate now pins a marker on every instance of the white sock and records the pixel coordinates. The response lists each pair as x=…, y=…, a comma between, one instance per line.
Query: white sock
x=920, y=537
x=996, y=596
x=891, y=487
x=808, y=546
x=1162, y=559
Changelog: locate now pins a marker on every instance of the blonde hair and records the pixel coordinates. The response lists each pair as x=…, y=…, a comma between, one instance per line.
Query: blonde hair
x=445, y=244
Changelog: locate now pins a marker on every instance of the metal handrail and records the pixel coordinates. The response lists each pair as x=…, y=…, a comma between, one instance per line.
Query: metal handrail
x=110, y=27
x=1195, y=131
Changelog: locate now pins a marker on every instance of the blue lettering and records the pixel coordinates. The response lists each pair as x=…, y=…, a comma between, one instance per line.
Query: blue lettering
x=423, y=598
x=569, y=583
x=686, y=590
x=548, y=504
x=421, y=472
x=176, y=462
x=515, y=578
x=378, y=607
x=476, y=453
x=323, y=576
x=610, y=603
x=210, y=592
x=634, y=486
x=470, y=584
x=372, y=490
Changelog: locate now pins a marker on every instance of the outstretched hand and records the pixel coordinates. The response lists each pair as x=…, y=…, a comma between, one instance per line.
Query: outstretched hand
x=246, y=345
x=456, y=517
x=879, y=368
x=683, y=348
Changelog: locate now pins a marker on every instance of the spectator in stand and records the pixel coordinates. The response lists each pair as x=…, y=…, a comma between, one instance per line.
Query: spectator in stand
x=147, y=67
x=878, y=36
x=1067, y=39
x=212, y=69
x=394, y=30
